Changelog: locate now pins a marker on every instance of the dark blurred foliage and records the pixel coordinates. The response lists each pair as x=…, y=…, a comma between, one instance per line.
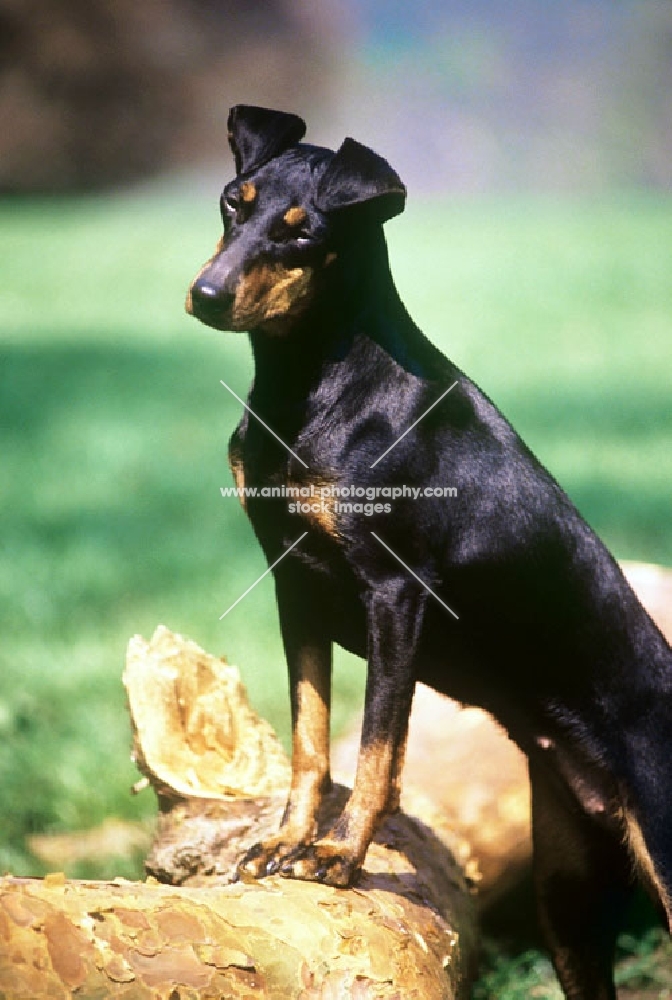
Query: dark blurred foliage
x=94, y=92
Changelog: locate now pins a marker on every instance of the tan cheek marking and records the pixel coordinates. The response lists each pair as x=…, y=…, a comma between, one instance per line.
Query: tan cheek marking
x=330, y=258
x=295, y=216
x=249, y=295
x=287, y=290
x=270, y=292
x=248, y=192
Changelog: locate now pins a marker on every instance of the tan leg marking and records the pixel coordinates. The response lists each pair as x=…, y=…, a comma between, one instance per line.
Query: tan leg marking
x=310, y=771
x=375, y=792
x=640, y=853
x=337, y=857
x=310, y=757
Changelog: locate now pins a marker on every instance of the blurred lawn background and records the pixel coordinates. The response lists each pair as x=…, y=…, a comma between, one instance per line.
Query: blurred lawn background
x=536, y=251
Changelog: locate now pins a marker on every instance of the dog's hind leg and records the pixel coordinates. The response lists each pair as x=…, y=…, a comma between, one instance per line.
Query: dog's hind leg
x=584, y=880
x=648, y=826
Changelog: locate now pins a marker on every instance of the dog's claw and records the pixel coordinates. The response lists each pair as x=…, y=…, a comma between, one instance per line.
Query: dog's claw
x=253, y=853
x=286, y=867
x=263, y=860
x=249, y=867
x=320, y=863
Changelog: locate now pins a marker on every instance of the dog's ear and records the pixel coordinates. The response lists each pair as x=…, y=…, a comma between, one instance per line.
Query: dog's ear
x=360, y=180
x=256, y=135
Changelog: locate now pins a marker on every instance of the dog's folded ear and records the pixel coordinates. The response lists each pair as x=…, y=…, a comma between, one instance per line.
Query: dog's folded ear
x=256, y=135
x=359, y=180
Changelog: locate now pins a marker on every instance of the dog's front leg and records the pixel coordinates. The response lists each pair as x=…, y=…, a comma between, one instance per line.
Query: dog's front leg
x=394, y=617
x=308, y=652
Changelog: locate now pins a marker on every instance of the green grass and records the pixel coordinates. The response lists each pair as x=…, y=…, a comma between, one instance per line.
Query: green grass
x=115, y=427
x=643, y=971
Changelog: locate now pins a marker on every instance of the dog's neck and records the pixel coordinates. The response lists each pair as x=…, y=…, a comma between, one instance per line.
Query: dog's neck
x=359, y=298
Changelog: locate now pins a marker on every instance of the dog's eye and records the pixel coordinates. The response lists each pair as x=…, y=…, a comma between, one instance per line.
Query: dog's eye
x=293, y=227
x=229, y=206
x=282, y=233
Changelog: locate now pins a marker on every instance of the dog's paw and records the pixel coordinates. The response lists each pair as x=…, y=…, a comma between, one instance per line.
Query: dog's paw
x=328, y=862
x=266, y=858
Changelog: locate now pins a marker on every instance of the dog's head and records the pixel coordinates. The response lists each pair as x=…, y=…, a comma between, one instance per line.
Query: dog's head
x=287, y=215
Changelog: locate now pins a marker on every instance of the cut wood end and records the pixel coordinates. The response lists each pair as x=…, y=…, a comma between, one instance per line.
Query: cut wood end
x=194, y=731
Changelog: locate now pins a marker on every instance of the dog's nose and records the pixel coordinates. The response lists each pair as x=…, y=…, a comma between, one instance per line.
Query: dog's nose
x=205, y=291
x=209, y=303
x=210, y=295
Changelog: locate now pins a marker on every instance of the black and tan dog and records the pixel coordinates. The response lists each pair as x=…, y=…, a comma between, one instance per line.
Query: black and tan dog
x=500, y=597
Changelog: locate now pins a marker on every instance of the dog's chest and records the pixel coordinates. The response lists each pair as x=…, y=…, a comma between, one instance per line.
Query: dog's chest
x=279, y=480
x=313, y=500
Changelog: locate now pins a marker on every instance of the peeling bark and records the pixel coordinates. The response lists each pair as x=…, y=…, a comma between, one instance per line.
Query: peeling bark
x=269, y=939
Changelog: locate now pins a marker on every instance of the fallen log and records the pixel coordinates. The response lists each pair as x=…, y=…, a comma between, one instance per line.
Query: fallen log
x=406, y=930
x=146, y=940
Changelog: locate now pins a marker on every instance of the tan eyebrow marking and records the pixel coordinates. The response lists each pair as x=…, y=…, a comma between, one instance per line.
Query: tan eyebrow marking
x=295, y=215
x=248, y=192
